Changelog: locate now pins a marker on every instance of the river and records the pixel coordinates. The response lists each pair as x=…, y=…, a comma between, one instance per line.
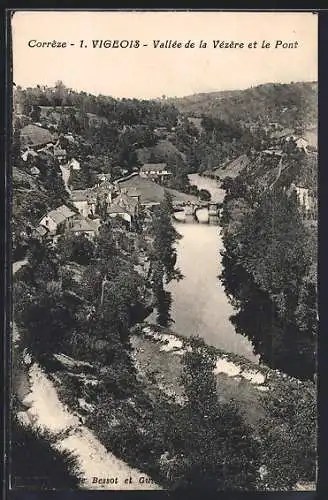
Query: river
x=200, y=305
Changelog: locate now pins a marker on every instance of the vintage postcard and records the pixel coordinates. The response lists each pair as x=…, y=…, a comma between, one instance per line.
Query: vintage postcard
x=164, y=250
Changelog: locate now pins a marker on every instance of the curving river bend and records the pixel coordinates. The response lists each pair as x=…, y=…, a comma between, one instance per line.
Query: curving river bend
x=200, y=305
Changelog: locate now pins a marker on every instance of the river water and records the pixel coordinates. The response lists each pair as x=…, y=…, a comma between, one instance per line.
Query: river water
x=200, y=305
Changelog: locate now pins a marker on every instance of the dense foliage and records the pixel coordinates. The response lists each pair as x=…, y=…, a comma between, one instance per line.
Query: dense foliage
x=36, y=465
x=81, y=297
x=268, y=273
x=288, y=104
x=222, y=454
x=163, y=258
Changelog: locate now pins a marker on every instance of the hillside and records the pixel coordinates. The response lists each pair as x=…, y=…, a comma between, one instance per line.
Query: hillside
x=291, y=104
x=164, y=150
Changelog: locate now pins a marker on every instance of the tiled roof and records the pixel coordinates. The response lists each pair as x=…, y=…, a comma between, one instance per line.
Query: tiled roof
x=83, y=195
x=41, y=230
x=66, y=211
x=147, y=167
x=150, y=192
x=60, y=214
x=35, y=136
x=114, y=208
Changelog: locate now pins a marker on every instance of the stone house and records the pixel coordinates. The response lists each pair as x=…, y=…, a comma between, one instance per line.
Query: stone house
x=85, y=200
x=58, y=220
x=85, y=226
x=155, y=171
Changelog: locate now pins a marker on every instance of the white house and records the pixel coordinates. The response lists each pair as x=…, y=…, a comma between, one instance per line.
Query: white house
x=58, y=219
x=29, y=153
x=35, y=171
x=302, y=143
x=155, y=171
x=303, y=197
x=74, y=164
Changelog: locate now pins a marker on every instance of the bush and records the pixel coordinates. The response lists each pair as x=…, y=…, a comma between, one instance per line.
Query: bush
x=204, y=195
x=36, y=464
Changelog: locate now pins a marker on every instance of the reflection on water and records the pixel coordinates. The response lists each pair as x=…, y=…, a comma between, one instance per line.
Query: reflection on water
x=200, y=305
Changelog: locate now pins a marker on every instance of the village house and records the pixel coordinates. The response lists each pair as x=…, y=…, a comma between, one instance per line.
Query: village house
x=35, y=171
x=150, y=194
x=85, y=200
x=74, y=164
x=301, y=143
x=29, y=153
x=155, y=171
x=125, y=207
x=116, y=210
x=39, y=232
x=104, y=177
x=84, y=226
x=60, y=155
x=58, y=220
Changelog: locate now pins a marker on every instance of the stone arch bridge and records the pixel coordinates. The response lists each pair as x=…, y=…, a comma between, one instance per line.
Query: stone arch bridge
x=191, y=209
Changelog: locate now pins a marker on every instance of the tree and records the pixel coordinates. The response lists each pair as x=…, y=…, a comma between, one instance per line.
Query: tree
x=163, y=258
x=36, y=113
x=48, y=323
x=219, y=450
x=294, y=431
x=204, y=195
x=165, y=236
x=77, y=248
x=60, y=93
x=266, y=261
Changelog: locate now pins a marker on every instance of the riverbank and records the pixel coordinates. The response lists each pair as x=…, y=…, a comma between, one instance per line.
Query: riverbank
x=278, y=408
x=228, y=364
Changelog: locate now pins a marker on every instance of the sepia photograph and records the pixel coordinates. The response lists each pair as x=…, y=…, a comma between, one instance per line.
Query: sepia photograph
x=164, y=218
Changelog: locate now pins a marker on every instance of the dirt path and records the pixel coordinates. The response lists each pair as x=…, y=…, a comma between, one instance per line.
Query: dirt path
x=66, y=173
x=99, y=468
